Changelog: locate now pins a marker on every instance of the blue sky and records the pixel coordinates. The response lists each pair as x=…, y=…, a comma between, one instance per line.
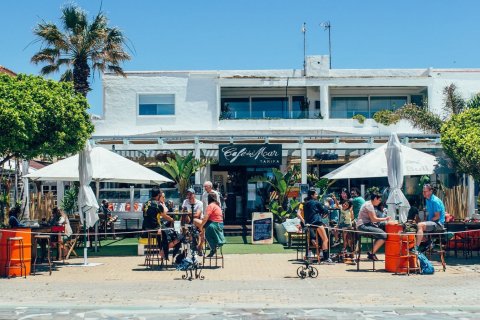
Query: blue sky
x=263, y=34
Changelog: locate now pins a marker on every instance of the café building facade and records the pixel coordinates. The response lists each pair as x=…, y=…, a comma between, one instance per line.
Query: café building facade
x=250, y=121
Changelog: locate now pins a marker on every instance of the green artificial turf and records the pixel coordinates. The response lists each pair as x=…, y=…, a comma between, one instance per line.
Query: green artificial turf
x=234, y=245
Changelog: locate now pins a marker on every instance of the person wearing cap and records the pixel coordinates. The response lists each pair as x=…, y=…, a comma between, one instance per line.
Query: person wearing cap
x=197, y=214
x=197, y=204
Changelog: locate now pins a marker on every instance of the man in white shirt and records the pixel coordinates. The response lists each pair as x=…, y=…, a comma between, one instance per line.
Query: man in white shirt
x=197, y=204
x=208, y=186
x=197, y=214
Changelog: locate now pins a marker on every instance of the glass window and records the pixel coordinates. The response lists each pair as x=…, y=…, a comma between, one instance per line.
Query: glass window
x=269, y=108
x=347, y=107
x=386, y=103
x=156, y=104
x=417, y=99
x=236, y=108
x=299, y=107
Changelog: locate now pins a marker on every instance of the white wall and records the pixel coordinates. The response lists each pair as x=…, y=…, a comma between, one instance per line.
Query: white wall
x=197, y=98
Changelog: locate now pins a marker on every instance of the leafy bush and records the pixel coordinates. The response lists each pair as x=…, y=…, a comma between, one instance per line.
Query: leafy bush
x=360, y=117
x=386, y=117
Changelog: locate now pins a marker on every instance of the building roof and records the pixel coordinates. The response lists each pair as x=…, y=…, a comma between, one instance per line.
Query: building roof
x=7, y=71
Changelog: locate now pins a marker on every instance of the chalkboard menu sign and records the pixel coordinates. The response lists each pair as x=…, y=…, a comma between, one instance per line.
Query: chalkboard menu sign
x=262, y=228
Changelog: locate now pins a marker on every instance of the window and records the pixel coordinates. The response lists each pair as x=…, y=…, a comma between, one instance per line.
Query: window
x=264, y=108
x=156, y=105
x=347, y=107
x=386, y=103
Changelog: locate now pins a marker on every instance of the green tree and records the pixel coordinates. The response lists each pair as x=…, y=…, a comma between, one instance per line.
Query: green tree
x=182, y=168
x=41, y=117
x=421, y=118
x=460, y=137
x=81, y=47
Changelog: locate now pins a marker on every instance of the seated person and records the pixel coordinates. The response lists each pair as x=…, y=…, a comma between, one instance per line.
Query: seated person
x=212, y=223
x=152, y=210
x=381, y=211
x=59, y=218
x=368, y=222
x=435, y=213
x=13, y=214
x=197, y=215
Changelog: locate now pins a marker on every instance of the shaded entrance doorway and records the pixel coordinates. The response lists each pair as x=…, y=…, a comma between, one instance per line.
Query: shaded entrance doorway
x=242, y=194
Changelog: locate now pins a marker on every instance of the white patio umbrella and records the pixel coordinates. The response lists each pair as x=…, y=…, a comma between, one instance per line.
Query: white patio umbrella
x=395, y=163
x=107, y=166
x=87, y=202
x=374, y=165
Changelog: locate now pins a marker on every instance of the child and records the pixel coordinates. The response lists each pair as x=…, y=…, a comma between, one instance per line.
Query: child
x=345, y=222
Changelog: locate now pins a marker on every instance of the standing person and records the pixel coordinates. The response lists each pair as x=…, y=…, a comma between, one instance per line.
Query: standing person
x=208, y=186
x=345, y=222
x=313, y=212
x=357, y=202
x=212, y=224
x=108, y=218
x=368, y=222
x=220, y=194
x=435, y=213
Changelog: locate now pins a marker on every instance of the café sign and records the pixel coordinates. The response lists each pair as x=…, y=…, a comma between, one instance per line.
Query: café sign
x=250, y=154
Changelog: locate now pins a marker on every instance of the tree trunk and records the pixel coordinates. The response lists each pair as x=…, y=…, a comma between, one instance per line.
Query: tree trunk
x=81, y=73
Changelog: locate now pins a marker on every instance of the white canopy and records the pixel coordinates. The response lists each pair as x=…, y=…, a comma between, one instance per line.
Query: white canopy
x=374, y=164
x=107, y=166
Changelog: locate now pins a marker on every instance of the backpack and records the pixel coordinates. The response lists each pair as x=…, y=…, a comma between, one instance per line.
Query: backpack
x=426, y=267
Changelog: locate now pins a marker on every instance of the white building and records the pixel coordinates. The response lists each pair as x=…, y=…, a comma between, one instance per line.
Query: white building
x=308, y=112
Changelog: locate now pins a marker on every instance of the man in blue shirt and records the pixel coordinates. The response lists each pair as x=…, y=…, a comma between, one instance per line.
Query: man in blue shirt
x=435, y=214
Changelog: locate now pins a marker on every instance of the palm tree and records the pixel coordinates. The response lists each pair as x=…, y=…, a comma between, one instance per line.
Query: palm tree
x=182, y=168
x=81, y=47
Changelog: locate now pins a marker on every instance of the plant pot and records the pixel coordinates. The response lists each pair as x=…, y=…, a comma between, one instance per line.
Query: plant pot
x=280, y=233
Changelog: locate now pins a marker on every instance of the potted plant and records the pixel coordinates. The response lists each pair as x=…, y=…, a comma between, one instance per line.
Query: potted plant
x=360, y=118
x=281, y=208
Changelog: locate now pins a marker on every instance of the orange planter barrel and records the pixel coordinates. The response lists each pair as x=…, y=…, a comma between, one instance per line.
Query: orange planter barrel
x=396, y=249
x=26, y=234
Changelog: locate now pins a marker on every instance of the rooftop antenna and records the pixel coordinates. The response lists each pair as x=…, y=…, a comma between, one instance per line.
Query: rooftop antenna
x=326, y=25
x=304, y=31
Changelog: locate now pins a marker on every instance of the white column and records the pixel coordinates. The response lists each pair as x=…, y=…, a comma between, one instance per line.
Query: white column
x=324, y=102
x=471, y=196
x=26, y=190
x=60, y=192
x=197, y=156
x=303, y=166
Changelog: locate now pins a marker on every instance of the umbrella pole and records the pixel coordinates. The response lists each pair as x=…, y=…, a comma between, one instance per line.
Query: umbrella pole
x=85, y=262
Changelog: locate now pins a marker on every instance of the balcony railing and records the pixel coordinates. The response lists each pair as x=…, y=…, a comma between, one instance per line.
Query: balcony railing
x=269, y=115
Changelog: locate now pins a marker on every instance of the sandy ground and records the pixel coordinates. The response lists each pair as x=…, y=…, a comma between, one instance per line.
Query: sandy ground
x=247, y=281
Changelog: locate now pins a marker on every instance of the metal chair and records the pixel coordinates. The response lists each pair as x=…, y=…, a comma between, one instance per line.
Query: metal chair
x=152, y=250
x=45, y=239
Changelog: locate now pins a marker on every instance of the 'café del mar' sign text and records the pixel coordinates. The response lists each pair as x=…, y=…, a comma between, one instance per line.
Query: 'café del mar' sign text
x=250, y=154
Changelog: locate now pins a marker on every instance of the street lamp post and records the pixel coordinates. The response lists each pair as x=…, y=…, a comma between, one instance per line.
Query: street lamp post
x=326, y=25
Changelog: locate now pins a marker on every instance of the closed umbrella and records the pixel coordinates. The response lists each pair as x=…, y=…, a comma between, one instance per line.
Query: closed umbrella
x=395, y=164
x=87, y=201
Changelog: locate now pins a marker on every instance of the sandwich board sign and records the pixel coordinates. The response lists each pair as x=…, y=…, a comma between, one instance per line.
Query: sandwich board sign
x=262, y=228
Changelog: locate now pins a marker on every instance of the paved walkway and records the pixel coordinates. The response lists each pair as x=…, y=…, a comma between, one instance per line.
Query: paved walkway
x=252, y=283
